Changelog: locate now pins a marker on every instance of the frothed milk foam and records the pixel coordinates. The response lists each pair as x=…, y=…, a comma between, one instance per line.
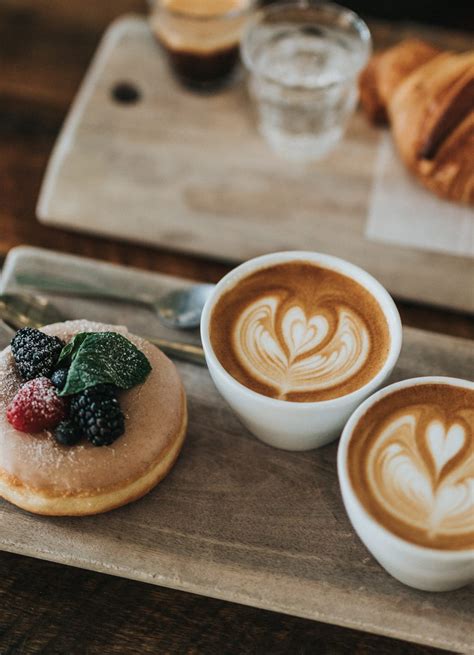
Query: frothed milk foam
x=204, y=7
x=299, y=332
x=411, y=463
x=180, y=25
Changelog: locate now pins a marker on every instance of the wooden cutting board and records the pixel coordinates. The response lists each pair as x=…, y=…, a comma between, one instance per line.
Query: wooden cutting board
x=236, y=519
x=191, y=173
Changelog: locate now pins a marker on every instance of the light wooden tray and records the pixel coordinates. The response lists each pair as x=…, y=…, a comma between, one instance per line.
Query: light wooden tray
x=236, y=519
x=191, y=173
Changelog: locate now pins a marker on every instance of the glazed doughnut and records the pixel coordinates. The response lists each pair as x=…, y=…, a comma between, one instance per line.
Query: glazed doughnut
x=44, y=477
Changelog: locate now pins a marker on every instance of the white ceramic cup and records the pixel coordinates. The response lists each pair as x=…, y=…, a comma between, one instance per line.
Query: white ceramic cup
x=297, y=425
x=424, y=568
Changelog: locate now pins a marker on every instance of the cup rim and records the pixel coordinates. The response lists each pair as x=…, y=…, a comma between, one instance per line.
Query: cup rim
x=283, y=5
x=344, y=478
x=227, y=15
x=337, y=264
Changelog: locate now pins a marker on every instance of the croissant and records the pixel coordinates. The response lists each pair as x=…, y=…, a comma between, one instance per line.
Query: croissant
x=427, y=96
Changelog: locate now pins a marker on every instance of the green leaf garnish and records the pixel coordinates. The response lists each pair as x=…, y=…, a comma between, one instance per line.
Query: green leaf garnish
x=70, y=349
x=103, y=358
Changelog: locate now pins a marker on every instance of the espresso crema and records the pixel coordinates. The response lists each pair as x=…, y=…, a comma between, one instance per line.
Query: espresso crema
x=199, y=26
x=411, y=463
x=299, y=332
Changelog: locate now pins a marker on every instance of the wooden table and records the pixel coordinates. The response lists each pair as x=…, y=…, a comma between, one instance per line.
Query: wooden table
x=44, y=50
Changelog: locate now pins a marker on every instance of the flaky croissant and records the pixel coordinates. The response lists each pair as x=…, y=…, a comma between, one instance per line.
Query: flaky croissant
x=427, y=96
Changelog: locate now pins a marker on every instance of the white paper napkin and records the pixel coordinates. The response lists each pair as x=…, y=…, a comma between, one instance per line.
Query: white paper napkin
x=402, y=212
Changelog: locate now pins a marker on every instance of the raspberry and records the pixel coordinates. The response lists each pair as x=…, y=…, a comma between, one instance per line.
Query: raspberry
x=35, y=353
x=36, y=407
x=96, y=412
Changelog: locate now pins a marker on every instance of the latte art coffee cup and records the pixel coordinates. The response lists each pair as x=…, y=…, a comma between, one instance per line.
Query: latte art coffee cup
x=406, y=468
x=295, y=341
x=298, y=331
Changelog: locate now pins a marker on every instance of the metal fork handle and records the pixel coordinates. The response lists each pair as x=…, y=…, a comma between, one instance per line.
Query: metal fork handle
x=185, y=351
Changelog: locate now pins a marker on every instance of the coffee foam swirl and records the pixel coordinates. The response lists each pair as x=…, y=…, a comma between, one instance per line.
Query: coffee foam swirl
x=408, y=480
x=299, y=332
x=297, y=353
x=415, y=472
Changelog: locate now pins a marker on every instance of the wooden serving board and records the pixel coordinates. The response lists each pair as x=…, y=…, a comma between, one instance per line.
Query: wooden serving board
x=236, y=519
x=192, y=174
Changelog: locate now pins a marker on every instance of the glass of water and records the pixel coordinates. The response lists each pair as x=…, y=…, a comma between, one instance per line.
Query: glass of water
x=303, y=60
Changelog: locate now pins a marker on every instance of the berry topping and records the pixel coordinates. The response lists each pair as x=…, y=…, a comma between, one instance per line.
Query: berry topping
x=96, y=412
x=35, y=353
x=36, y=407
x=59, y=378
x=67, y=433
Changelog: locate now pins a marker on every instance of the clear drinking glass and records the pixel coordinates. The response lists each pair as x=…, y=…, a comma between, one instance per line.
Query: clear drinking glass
x=303, y=60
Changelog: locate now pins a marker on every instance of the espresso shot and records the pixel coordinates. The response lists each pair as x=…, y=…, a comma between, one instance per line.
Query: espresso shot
x=202, y=71
x=201, y=39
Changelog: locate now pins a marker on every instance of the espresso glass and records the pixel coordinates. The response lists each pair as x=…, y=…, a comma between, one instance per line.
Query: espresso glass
x=201, y=38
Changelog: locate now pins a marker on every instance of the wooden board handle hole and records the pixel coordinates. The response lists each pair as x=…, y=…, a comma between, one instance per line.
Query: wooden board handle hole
x=126, y=93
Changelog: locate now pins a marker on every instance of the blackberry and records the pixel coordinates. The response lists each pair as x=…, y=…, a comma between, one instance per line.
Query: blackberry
x=35, y=353
x=59, y=378
x=67, y=433
x=96, y=412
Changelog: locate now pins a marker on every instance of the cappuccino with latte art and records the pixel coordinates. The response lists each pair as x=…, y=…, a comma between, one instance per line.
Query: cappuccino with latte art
x=300, y=332
x=295, y=341
x=406, y=469
x=411, y=463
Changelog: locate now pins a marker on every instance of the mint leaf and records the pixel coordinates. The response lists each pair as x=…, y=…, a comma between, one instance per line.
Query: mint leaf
x=69, y=351
x=103, y=358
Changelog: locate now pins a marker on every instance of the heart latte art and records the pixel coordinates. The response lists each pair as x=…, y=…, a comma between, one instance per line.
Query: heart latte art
x=299, y=332
x=413, y=464
x=299, y=353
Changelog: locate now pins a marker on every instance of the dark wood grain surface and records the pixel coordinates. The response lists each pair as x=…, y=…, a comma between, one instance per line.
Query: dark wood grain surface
x=44, y=608
x=47, y=608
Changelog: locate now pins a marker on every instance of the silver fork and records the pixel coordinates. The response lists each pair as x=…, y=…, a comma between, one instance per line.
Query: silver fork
x=19, y=310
